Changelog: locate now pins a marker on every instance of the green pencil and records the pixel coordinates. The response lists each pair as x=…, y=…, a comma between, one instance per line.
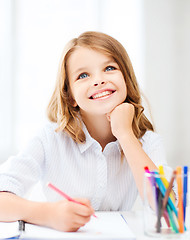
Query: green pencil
x=172, y=221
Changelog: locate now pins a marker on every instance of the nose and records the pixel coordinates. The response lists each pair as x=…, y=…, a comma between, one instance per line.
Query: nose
x=98, y=83
x=98, y=79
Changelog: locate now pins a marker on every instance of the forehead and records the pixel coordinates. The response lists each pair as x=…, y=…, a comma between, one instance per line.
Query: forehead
x=83, y=56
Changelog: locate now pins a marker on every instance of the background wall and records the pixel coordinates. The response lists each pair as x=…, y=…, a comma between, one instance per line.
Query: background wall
x=167, y=66
x=155, y=34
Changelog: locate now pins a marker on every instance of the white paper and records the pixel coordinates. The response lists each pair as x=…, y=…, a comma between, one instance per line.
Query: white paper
x=9, y=229
x=107, y=225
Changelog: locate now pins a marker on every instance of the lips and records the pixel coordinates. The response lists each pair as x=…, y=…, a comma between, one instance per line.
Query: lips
x=102, y=94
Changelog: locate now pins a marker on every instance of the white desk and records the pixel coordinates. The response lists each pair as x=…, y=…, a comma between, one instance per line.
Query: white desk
x=135, y=222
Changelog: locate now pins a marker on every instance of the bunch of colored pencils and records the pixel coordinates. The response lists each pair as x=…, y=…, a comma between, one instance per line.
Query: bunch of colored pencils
x=174, y=212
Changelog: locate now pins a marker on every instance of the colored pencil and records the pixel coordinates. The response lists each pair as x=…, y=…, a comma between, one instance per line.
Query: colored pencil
x=65, y=195
x=185, y=180
x=180, y=201
x=165, y=181
x=163, y=191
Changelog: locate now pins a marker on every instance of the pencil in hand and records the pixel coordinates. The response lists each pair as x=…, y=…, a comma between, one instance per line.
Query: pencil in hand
x=65, y=195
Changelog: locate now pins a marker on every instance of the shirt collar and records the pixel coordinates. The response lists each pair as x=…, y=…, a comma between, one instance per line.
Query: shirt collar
x=90, y=141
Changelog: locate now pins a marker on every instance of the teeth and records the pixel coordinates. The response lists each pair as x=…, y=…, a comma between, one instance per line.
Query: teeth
x=102, y=94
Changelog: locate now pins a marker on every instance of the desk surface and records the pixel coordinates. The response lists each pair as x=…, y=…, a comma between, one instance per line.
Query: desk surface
x=135, y=222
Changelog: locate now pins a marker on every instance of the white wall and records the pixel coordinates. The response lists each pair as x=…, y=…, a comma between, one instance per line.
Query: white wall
x=167, y=74
x=34, y=35
x=6, y=87
x=154, y=32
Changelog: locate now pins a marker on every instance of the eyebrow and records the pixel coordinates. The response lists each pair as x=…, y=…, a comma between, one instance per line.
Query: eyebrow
x=81, y=69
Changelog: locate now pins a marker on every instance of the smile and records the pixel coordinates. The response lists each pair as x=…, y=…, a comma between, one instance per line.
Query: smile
x=102, y=94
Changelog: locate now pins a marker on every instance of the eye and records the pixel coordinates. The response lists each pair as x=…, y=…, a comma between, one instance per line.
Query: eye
x=109, y=68
x=83, y=75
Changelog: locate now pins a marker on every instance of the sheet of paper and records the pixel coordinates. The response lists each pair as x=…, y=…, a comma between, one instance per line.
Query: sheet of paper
x=108, y=225
x=8, y=230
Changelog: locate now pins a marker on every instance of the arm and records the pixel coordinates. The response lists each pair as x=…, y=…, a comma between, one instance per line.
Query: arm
x=62, y=215
x=18, y=174
x=121, y=124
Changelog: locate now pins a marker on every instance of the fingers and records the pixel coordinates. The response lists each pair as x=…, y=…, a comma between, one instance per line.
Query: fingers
x=79, y=215
x=69, y=216
x=80, y=221
x=76, y=223
x=84, y=209
x=84, y=201
x=121, y=119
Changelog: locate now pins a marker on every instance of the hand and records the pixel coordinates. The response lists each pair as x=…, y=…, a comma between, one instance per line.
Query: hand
x=68, y=216
x=121, y=119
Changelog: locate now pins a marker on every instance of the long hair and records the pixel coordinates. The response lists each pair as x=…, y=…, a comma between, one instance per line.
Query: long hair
x=61, y=109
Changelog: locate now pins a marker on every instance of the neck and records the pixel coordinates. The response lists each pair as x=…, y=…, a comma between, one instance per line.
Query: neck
x=99, y=128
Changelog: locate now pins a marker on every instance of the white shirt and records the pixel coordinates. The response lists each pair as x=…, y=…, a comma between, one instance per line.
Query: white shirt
x=80, y=170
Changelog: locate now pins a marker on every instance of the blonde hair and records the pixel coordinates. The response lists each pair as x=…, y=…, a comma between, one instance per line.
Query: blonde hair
x=61, y=109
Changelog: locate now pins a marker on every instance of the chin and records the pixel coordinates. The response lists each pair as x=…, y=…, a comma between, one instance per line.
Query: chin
x=108, y=110
x=111, y=108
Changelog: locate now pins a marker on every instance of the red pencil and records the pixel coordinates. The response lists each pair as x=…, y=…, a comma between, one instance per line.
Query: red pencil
x=65, y=195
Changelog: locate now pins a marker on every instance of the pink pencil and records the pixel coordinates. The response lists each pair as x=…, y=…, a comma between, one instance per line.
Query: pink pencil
x=65, y=195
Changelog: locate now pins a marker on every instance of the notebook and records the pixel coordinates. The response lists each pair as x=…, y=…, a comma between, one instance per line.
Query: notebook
x=9, y=230
x=107, y=225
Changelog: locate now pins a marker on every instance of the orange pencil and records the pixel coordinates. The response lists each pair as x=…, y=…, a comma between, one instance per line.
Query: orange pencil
x=180, y=202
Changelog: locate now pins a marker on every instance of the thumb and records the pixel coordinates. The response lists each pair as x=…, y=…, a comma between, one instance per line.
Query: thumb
x=83, y=201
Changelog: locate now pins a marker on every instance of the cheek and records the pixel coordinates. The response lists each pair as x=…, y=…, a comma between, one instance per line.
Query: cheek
x=124, y=94
x=124, y=88
x=125, y=91
x=78, y=93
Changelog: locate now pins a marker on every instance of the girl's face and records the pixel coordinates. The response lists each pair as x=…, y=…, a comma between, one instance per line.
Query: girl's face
x=96, y=82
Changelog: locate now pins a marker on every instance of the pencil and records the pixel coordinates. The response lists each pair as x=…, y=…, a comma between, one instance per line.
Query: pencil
x=151, y=178
x=185, y=171
x=158, y=225
x=65, y=195
x=165, y=200
x=180, y=203
x=165, y=181
x=163, y=191
x=156, y=194
x=171, y=218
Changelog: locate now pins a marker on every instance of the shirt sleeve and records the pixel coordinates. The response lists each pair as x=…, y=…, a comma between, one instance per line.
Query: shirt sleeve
x=19, y=173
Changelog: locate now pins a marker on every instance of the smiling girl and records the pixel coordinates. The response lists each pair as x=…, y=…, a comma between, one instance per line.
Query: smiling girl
x=96, y=146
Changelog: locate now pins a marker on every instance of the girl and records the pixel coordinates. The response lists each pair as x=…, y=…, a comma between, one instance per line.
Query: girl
x=96, y=147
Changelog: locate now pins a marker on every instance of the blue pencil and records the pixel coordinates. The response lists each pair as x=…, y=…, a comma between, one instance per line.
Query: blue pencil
x=185, y=170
